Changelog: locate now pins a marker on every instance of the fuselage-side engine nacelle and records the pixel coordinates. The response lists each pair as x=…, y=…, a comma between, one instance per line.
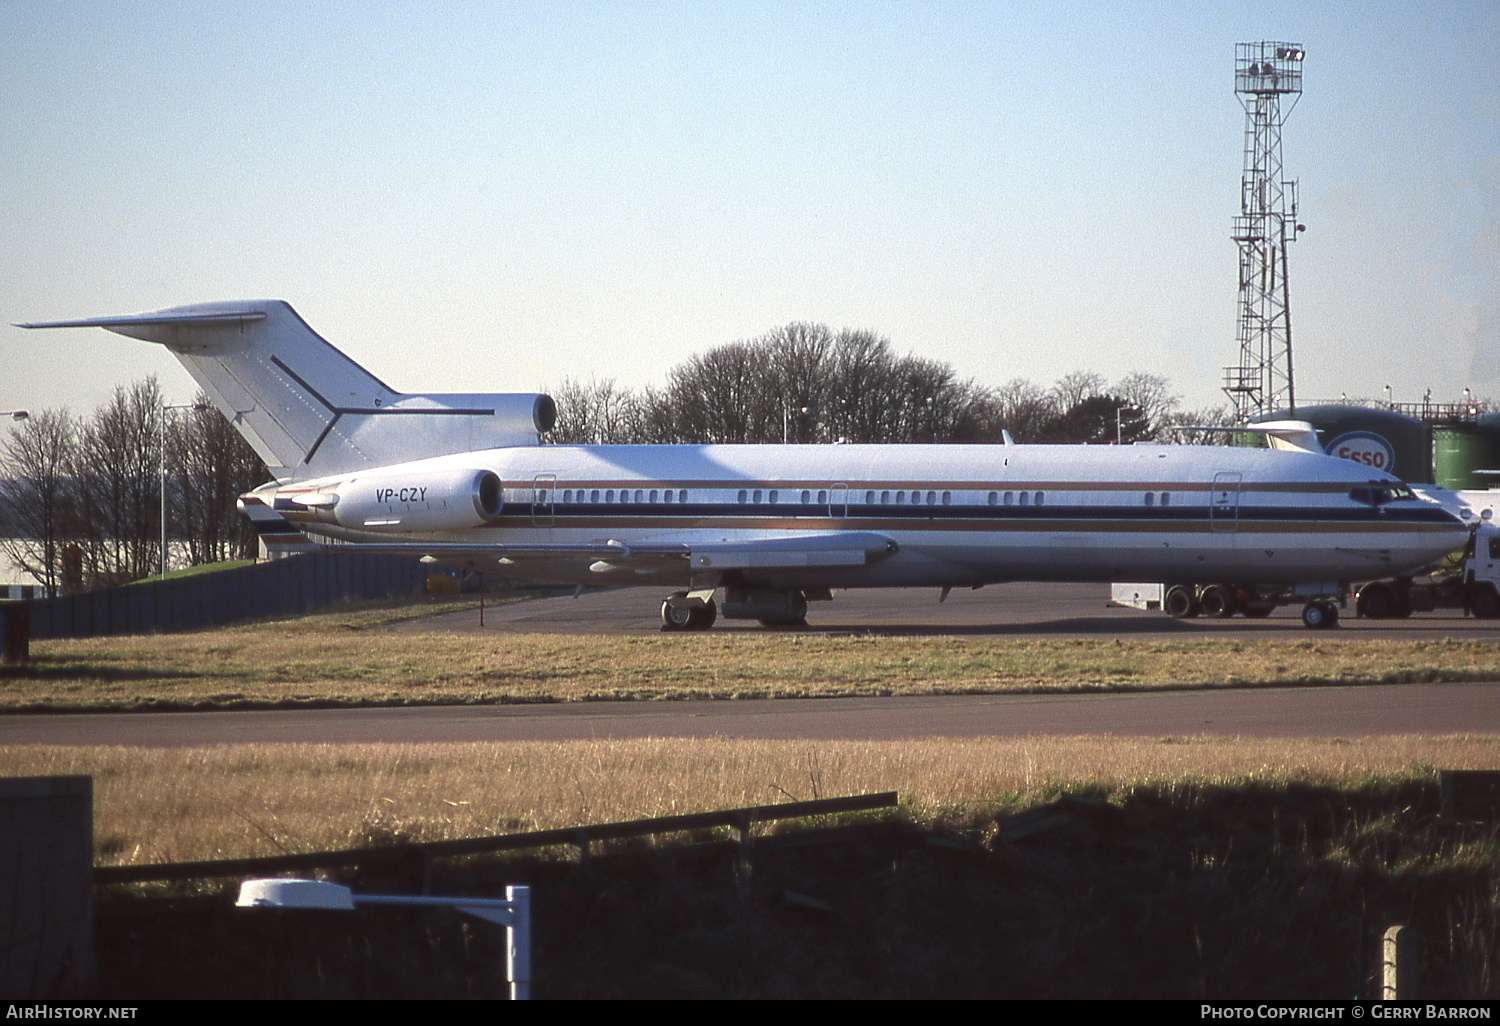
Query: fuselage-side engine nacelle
x=400, y=501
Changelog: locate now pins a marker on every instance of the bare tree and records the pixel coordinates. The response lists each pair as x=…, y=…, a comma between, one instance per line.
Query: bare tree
x=594, y=413
x=116, y=470
x=1151, y=396
x=1025, y=409
x=806, y=383
x=38, y=498
x=211, y=467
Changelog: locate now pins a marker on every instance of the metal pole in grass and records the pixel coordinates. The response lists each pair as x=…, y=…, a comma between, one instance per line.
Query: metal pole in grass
x=513, y=913
x=1397, y=964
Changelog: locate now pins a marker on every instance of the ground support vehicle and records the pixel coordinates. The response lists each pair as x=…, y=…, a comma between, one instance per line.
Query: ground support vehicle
x=1467, y=580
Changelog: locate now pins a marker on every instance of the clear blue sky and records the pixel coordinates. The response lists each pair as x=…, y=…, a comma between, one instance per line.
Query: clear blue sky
x=481, y=196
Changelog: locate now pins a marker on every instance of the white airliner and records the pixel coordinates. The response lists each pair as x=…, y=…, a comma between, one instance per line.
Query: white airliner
x=464, y=480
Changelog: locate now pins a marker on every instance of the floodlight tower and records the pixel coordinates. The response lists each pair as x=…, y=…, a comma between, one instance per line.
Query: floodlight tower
x=1261, y=382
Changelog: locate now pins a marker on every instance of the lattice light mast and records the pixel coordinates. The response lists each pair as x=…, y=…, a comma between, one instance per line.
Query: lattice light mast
x=1261, y=382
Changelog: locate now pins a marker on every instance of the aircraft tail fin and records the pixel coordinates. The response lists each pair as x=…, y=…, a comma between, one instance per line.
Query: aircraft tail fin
x=306, y=408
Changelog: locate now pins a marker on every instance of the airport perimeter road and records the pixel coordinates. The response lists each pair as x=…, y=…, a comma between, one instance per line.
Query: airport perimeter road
x=1017, y=610
x=1250, y=712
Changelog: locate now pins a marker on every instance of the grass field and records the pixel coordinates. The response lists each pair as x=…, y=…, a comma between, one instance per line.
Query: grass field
x=336, y=659
x=158, y=804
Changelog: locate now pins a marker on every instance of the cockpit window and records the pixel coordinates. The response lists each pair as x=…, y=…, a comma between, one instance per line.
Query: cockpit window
x=1380, y=492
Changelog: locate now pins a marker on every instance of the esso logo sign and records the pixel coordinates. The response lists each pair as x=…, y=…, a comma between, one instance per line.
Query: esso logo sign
x=1365, y=448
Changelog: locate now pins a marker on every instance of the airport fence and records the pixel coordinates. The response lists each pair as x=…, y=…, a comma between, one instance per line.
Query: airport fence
x=417, y=857
x=282, y=587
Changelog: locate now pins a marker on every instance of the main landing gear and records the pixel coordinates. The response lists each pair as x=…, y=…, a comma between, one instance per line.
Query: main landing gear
x=682, y=612
x=772, y=607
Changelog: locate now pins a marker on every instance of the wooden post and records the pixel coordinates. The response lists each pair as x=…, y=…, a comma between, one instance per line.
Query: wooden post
x=1398, y=964
x=46, y=887
x=17, y=645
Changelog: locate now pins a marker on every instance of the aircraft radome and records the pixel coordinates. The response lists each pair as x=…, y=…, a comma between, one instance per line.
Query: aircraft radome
x=464, y=480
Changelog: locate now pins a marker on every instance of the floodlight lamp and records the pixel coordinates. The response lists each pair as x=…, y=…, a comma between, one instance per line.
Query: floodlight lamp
x=284, y=893
x=15, y=414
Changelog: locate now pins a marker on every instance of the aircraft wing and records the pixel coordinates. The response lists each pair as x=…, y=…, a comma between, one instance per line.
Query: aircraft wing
x=835, y=548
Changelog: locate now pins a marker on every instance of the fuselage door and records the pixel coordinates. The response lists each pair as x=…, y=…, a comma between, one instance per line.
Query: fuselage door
x=543, y=499
x=1224, y=501
x=838, y=500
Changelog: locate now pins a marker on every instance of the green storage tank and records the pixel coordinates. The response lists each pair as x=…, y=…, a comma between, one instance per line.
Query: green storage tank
x=1382, y=440
x=1460, y=451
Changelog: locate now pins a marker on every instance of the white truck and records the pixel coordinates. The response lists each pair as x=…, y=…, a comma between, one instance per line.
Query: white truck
x=1467, y=580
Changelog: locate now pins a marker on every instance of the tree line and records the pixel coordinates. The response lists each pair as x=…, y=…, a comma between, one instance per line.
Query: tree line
x=809, y=383
x=81, y=496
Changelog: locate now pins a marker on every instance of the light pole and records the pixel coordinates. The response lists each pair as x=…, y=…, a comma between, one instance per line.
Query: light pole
x=15, y=414
x=513, y=913
x=161, y=453
x=786, y=419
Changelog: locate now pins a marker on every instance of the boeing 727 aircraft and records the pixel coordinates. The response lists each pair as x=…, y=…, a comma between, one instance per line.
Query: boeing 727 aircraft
x=464, y=480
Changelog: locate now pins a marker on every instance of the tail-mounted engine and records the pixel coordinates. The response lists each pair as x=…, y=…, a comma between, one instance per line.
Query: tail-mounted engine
x=439, y=500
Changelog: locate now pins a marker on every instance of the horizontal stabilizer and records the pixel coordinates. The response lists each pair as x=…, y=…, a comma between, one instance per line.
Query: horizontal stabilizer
x=1286, y=435
x=156, y=317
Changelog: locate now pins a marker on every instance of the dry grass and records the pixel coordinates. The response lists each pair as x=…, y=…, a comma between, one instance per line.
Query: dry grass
x=331, y=661
x=156, y=804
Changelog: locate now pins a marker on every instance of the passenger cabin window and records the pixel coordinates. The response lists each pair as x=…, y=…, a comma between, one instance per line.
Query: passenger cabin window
x=742, y=496
x=756, y=500
x=773, y=496
x=1009, y=497
x=1041, y=497
x=594, y=495
x=1024, y=496
x=822, y=496
x=666, y=496
x=682, y=495
x=885, y=497
x=1150, y=498
x=869, y=498
x=653, y=495
x=947, y=498
x=1166, y=498
x=994, y=498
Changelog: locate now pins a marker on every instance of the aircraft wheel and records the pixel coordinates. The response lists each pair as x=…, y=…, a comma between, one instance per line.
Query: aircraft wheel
x=1216, y=601
x=795, y=615
x=1180, y=602
x=703, y=616
x=1378, y=602
x=676, y=615
x=1485, y=602
x=1320, y=615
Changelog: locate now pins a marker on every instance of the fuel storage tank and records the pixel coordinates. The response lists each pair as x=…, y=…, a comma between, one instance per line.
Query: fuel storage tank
x=1382, y=440
x=1461, y=451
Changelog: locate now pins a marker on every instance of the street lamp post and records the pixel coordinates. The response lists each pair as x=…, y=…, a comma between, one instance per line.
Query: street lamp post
x=513, y=913
x=161, y=453
x=15, y=414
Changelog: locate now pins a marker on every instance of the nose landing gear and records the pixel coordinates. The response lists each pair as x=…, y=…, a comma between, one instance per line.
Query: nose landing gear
x=1320, y=615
